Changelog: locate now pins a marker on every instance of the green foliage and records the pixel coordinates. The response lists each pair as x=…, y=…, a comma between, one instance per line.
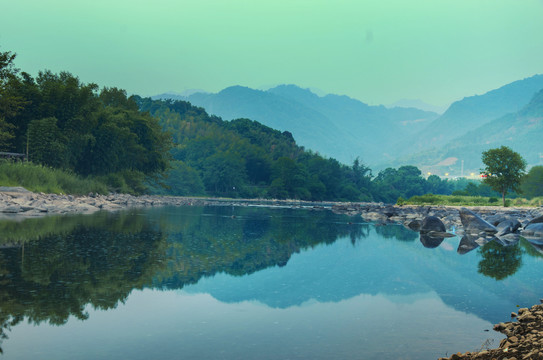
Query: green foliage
x=453, y=200
x=97, y=260
x=406, y=182
x=503, y=170
x=39, y=178
x=243, y=158
x=180, y=180
x=532, y=183
x=66, y=124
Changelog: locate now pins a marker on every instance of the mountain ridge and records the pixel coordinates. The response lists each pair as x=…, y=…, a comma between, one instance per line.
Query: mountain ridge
x=344, y=128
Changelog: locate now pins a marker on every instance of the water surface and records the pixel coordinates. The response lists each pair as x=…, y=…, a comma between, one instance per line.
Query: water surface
x=232, y=282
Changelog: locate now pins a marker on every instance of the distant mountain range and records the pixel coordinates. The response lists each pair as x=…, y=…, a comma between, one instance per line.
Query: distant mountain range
x=334, y=126
x=345, y=128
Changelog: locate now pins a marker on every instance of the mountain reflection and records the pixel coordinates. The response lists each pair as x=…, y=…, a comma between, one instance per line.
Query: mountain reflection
x=54, y=267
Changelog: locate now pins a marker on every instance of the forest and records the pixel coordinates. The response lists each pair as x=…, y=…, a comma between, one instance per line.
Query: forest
x=139, y=145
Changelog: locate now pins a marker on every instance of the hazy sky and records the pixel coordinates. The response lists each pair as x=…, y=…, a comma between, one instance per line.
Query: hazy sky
x=377, y=51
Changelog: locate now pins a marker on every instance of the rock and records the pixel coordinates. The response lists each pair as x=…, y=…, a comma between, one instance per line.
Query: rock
x=467, y=244
x=474, y=224
x=533, y=232
x=507, y=226
x=536, y=220
x=507, y=239
x=11, y=209
x=496, y=219
x=432, y=223
x=14, y=189
x=431, y=229
x=414, y=225
x=522, y=310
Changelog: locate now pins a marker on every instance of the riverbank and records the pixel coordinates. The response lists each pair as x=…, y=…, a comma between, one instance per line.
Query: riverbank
x=524, y=338
x=19, y=202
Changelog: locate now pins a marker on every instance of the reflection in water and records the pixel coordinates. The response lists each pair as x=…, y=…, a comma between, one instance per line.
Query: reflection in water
x=54, y=267
x=430, y=242
x=499, y=261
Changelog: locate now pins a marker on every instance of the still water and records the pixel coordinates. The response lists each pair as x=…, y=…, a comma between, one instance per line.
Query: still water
x=249, y=283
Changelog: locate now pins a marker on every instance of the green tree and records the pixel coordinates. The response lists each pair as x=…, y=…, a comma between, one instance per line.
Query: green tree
x=532, y=184
x=504, y=170
x=10, y=104
x=180, y=180
x=47, y=145
x=224, y=174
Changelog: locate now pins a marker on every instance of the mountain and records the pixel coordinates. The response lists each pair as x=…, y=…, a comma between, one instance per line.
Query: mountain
x=177, y=95
x=522, y=131
x=418, y=104
x=472, y=112
x=345, y=128
x=335, y=126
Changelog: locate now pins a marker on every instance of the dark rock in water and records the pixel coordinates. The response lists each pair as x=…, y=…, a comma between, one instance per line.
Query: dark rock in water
x=414, y=225
x=467, y=243
x=432, y=223
x=507, y=226
x=496, y=219
x=533, y=232
x=432, y=232
x=537, y=220
x=507, y=239
x=442, y=234
x=474, y=224
x=429, y=241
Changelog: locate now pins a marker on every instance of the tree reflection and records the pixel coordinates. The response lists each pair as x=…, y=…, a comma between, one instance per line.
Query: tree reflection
x=499, y=261
x=97, y=260
x=57, y=276
x=397, y=232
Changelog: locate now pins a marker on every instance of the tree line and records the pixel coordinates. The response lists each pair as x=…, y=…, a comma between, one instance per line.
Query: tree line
x=62, y=123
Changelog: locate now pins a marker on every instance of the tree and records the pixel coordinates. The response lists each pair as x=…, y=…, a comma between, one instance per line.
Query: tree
x=532, y=184
x=9, y=103
x=504, y=170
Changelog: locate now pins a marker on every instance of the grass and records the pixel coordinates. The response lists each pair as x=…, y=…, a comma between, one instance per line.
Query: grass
x=38, y=178
x=461, y=200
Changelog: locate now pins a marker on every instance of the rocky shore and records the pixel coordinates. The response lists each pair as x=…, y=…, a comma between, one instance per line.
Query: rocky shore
x=19, y=202
x=524, y=338
x=449, y=215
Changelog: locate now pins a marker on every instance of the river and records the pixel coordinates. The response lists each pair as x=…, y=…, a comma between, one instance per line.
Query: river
x=249, y=283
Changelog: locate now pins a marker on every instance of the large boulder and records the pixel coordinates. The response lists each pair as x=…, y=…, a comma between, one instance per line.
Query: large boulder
x=536, y=220
x=432, y=223
x=507, y=226
x=533, y=232
x=431, y=230
x=474, y=224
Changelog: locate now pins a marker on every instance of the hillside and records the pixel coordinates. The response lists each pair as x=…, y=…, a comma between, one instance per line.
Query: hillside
x=472, y=112
x=522, y=131
x=335, y=126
